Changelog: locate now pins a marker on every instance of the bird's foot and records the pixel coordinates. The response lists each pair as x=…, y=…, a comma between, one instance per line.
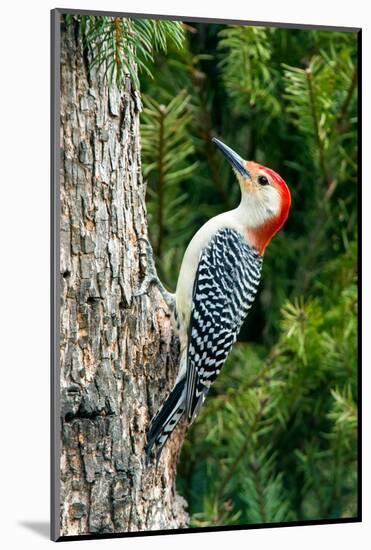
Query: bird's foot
x=152, y=278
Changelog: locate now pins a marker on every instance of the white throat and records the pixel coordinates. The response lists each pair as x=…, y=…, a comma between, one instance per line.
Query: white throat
x=256, y=208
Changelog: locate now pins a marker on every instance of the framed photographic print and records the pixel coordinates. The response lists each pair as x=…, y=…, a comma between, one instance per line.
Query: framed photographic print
x=205, y=230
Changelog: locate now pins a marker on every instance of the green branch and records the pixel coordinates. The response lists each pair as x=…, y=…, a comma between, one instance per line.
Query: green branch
x=161, y=182
x=311, y=93
x=123, y=46
x=346, y=104
x=242, y=451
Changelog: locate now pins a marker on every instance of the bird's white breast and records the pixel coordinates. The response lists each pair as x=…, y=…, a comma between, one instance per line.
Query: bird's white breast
x=190, y=263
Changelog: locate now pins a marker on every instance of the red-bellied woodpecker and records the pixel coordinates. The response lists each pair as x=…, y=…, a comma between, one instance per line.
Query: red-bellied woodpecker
x=217, y=284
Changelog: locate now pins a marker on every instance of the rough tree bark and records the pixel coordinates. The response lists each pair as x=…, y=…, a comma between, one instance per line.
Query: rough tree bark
x=118, y=354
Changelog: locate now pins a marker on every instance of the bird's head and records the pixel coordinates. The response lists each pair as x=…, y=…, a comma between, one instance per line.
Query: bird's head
x=265, y=197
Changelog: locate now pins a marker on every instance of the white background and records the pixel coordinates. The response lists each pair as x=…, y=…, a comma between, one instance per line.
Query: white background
x=25, y=265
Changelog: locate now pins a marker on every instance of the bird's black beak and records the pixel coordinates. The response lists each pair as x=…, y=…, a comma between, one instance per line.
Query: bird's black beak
x=237, y=162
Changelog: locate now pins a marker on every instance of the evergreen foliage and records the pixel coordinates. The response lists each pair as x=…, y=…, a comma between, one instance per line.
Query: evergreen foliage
x=248, y=76
x=277, y=438
x=123, y=45
x=167, y=148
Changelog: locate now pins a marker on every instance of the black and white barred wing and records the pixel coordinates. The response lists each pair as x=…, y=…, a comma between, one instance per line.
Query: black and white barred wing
x=225, y=287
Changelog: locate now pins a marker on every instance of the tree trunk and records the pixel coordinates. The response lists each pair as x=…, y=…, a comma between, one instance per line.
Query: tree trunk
x=118, y=354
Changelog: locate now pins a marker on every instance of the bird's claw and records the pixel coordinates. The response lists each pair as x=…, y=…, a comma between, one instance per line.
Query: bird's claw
x=152, y=278
x=145, y=285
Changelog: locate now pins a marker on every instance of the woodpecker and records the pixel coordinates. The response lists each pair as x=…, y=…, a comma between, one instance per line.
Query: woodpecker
x=217, y=285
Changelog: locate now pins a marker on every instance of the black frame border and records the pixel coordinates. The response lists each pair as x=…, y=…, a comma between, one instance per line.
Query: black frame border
x=55, y=425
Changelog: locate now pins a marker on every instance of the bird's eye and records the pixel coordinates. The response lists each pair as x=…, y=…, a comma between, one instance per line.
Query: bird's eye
x=263, y=180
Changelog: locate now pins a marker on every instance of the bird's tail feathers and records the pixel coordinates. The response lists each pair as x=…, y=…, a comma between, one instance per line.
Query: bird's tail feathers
x=165, y=420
